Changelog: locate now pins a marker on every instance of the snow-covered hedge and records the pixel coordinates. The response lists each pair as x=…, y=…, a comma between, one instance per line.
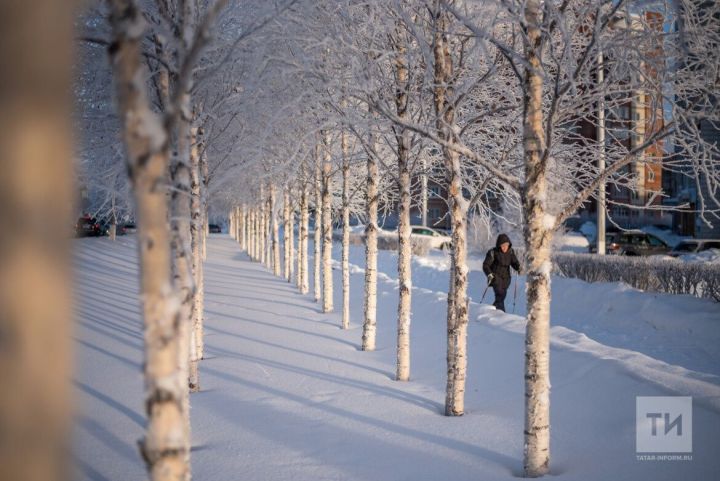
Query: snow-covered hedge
x=646, y=273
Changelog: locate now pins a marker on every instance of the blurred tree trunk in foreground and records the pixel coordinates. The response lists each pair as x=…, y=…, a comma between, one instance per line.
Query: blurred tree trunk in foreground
x=36, y=208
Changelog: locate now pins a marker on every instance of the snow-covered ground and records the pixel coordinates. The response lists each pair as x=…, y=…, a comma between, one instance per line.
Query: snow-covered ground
x=711, y=256
x=286, y=394
x=680, y=330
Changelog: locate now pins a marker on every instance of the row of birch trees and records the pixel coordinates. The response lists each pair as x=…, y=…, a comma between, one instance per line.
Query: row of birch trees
x=295, y=116
x=492, y=101
x=176, y=101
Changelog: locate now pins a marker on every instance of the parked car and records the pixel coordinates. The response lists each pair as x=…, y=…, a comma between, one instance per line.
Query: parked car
x=119, y=228
x=693, y=246
x=87, y=226
x=573, y=223
x=433, y=238
x=638, y=243
x=129, y=227
x=610, y=237
x=214, y=229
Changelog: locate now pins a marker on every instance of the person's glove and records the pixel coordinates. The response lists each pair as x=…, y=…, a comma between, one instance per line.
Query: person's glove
x=491, y=278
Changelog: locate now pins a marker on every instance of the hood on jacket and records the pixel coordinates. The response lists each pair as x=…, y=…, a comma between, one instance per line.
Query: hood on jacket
x=502, y=238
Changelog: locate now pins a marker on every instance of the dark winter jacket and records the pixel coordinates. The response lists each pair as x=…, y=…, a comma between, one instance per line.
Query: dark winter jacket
x=498, y=262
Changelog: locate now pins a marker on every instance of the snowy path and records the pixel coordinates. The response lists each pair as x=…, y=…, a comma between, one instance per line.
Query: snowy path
x=286, y=394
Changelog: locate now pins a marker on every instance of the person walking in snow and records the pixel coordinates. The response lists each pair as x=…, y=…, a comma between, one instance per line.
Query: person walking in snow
x=496, y=267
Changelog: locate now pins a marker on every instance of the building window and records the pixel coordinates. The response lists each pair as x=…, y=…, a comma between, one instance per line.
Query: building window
x=434, y=191
x=433, y=213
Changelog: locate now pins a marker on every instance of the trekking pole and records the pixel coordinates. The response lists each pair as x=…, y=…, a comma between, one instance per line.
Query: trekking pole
x=484, y=292
x=515, y=293
x=491, y=278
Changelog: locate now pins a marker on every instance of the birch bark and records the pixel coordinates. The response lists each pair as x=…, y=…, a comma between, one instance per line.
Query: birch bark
x=275, y=241
x=317, y=279
x=404, y=242
x=262, y=227
x=346, y=230
x=204, y=200
x=36, y=316
x=196, y=241
x=286, y=230
x=537, y=244
x=327, y=297
x=457, y=315
x=303, y=248
x=164, y=447
x=371, y=233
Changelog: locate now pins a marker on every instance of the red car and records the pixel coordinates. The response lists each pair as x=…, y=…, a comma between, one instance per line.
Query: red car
x=87, y=226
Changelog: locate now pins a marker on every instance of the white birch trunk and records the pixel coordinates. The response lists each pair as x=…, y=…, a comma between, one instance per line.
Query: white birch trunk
x=258, y=232
x=36, y=316
x=182, y=247
x=240, y=225
x=404, y=242
x=243, y=227
x=291, y=241
x=246, y=229
x=457, y=314
x=204, y=212
x=164, y=447
x=262, y=227
x=303, y=248
x=267, y=232
x=253, y=233
x=371, y=233
x=318, y=227
x=298, y=257
x=196, y=240
x=275, y=241
x=327, y=227
x=286, y=228
x=537, y=244
x=346, y=230
x=112, y=231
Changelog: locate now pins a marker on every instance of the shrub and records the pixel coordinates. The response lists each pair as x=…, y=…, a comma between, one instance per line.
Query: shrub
x=646, y=273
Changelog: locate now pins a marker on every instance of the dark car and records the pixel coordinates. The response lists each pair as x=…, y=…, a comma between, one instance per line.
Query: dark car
x=573, y=223
x=610, y=237
x=107, y=225
x=638, y=243
x=694, y=246
x=87, y=226
x=214, y=229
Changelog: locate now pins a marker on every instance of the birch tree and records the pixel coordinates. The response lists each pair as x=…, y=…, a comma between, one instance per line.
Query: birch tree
x=164, y=446
x=272, y=207
x=196, y=228
x=371, y=241
x=326, y=201
x=457, y=317
x=318, y=215
x=36, y=352
x=404, y=245
x=554, y=84
x=303, y=265
x=345, y=256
